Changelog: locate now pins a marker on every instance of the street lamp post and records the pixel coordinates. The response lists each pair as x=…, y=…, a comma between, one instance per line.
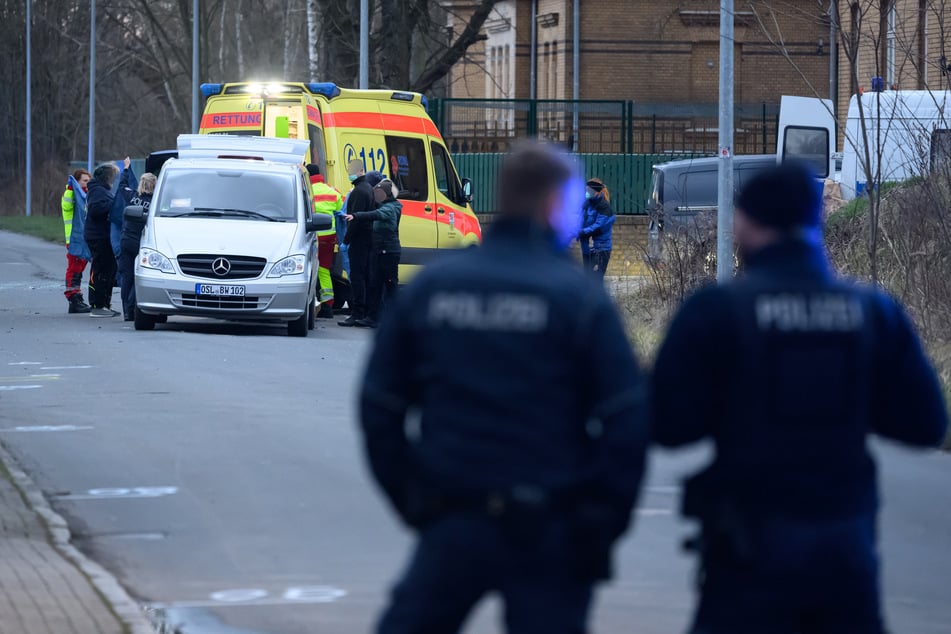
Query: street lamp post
x=195, y=67
x=91, y=156
x=725, y=193
x=29, y=110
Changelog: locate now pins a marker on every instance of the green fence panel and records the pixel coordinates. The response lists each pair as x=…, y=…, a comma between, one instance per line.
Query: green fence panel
x=627, y=177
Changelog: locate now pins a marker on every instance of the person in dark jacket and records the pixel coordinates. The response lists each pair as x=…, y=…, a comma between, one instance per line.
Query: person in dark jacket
x=385, y=254
x=503, y=418
x=131, y=237
x=99, y=200
x=788, y=369
x=359, y=241
x=597, y=227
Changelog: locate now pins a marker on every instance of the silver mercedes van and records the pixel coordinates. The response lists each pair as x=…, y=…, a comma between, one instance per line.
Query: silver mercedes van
x=230, y=234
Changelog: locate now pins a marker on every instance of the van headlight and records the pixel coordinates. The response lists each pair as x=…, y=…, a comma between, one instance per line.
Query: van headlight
x=150, y=259
x=291, y=265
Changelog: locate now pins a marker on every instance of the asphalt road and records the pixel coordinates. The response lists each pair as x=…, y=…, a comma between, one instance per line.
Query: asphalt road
x=215, y=470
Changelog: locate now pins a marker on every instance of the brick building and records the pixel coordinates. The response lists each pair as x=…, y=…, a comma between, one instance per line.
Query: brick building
x=900, y=41
x=663, y=57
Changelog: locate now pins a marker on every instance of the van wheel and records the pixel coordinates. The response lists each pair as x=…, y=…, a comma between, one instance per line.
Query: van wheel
x=143, y=321
x=298, y=327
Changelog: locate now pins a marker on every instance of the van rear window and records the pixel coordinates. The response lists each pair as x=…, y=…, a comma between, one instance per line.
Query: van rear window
x=407, y=167
x=810, y=145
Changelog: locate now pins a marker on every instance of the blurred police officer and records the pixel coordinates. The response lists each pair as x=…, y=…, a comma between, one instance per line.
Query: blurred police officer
x=503, y=418
x=788, y=370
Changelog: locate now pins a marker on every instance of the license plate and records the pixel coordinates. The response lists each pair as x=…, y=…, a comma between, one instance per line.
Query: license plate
x=221, y=290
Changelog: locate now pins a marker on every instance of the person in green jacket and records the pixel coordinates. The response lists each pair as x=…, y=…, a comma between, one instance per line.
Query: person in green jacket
x=385, y=254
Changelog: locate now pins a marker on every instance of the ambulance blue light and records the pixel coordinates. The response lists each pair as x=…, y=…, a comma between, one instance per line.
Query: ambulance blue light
x=210, y=90
x=425, y=102
x=326, y=88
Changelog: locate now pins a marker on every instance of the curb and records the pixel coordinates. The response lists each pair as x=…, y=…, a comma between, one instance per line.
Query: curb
x=125, y=607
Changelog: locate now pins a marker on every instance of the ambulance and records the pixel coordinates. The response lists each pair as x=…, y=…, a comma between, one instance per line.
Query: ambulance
x=389, y=131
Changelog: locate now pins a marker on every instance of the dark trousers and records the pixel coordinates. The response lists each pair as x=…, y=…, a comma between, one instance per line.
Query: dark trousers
x=462, y=557
x=127, y=254
x=806, y=578
x=597, y=262
x=359, y=278
x=384, y=282
x=102, y=277
x=74, y=276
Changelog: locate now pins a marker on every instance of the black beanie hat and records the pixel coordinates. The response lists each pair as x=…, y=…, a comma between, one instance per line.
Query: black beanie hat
x=783, y=197
x=313, y=170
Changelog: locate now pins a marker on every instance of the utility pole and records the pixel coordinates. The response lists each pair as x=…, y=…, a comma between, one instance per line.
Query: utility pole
x=725, y=193
x=29, y=110
x=364, y=44
x=195, y=67
x=576, y=71
x=91, y=156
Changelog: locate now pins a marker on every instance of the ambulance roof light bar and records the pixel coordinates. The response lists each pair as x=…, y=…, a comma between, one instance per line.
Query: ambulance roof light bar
x=195, y=146
x=210, y=90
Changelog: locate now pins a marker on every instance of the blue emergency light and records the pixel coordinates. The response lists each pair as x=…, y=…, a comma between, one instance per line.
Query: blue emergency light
x=326, y=88
x=210, y=90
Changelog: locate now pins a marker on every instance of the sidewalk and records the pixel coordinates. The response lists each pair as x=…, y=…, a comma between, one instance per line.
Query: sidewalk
x=42, y=591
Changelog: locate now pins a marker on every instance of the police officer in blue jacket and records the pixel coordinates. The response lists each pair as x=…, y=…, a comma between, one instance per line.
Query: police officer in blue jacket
x=788, y=370
x=502, y=412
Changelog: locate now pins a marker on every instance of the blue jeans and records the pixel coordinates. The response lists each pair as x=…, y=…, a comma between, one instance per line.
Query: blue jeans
x=802, y=578
x=462, y=557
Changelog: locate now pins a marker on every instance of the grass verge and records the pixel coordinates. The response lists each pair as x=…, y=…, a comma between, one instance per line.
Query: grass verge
x=48, y=228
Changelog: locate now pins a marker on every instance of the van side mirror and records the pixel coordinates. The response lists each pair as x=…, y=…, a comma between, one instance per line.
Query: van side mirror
x=134, y=212
x=467, y=190
x=319, y=222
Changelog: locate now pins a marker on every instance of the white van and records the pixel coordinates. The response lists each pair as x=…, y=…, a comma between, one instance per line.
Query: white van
x=230, y=234
x=909, y=129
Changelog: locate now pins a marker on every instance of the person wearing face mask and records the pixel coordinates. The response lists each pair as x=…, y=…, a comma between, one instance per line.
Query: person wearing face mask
x=359, y=241
x=596, y=227
x=503, y=417
x=77, y=252
x=385, y=255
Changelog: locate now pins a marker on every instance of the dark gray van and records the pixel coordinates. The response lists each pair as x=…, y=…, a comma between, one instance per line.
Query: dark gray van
x=681, y=190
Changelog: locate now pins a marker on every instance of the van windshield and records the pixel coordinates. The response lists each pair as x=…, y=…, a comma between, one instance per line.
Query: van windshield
x=228, y=194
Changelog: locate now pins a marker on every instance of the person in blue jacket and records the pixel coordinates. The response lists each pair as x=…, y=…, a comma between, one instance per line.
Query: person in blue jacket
x=99, y=202
x=788, y=370
x=132, y=229
x=596, y=227
x=503, y=418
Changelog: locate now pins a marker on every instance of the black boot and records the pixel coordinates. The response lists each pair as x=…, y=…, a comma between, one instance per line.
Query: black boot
x=78, y=305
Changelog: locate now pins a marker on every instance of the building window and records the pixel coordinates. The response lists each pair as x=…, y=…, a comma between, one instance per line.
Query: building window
x=891, y=78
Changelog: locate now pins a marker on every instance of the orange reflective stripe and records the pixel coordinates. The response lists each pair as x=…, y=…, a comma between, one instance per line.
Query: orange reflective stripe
x=386, y=122
x=326, y=198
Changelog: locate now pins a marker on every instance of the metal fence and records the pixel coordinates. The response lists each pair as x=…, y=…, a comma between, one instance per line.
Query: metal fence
x=627, y=177
x=625, y=127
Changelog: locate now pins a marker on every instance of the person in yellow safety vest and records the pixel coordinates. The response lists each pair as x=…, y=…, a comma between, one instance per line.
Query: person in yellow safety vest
x=75, y=260
x=327, y=200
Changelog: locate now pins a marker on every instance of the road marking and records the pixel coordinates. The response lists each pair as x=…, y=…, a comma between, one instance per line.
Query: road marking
x=10, y=388
x=664, y=489
x=26, y=363
x=654, y=512
x=257, y=597
x=43, y=428
x=67, y=367
x=120, y=493
x=44, y=376
x=32, y=377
